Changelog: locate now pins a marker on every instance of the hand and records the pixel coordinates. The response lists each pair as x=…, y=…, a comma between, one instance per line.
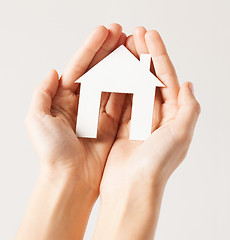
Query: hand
x=174, y=118
x=70, y=168
x=51, y=120
x=137, y=171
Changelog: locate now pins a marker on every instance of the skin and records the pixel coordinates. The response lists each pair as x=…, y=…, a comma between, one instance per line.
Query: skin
x=70, y=168
x=126, y=173
x=53, y=112
x=136, y=172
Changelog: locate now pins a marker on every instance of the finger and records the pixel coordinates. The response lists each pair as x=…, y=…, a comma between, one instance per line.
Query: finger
x=131, y=46
x=43, y=94
x=163, y=66
x=114, y=33
x=115, y=36
x=121, y=40
x=104, y=100
x=135, y=45
x=114, y=105
x=82, y=58
x=141, y=47
x=157, y=114
x=115, y=101
x=139, y=40
x=189, y=110
x=127, y=109
x=125, y=118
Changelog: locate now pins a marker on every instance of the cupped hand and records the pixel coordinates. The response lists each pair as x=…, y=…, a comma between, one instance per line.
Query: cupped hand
x=52, y=116
x=151, y=162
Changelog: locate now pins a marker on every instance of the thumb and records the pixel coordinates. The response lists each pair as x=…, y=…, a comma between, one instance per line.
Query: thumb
x=188, y=113
x=43, y=94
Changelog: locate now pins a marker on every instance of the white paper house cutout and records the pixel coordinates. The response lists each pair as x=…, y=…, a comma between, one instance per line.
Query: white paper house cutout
x=119, y=72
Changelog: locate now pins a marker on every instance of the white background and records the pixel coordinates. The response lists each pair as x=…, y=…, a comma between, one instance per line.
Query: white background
x=36, y=36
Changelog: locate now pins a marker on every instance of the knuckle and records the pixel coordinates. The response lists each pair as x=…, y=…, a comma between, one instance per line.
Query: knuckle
x=152, y=34
x=139, y=30
x=115, y=25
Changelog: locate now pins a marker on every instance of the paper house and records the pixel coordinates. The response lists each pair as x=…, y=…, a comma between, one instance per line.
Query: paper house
x=119, y=72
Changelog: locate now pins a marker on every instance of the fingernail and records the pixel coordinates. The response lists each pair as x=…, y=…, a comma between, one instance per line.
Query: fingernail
x=191, y=87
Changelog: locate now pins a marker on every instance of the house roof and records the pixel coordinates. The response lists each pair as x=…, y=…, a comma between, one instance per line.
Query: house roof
x=120, y=69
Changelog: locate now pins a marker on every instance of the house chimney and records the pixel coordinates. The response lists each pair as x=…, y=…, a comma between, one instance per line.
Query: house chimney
x=145, y=60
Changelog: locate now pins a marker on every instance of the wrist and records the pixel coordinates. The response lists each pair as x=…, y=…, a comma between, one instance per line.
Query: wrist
x=66, y=182
x=60, y=205
x=67, y=179
x=132, y=182
x=130, y=213
x=129, y=194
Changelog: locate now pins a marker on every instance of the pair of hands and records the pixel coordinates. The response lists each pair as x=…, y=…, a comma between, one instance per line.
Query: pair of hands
x=112, y=163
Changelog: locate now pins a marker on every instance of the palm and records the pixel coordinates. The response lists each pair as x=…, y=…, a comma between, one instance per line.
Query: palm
x=85, y=153
x=163, y=115
x=126, y=154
